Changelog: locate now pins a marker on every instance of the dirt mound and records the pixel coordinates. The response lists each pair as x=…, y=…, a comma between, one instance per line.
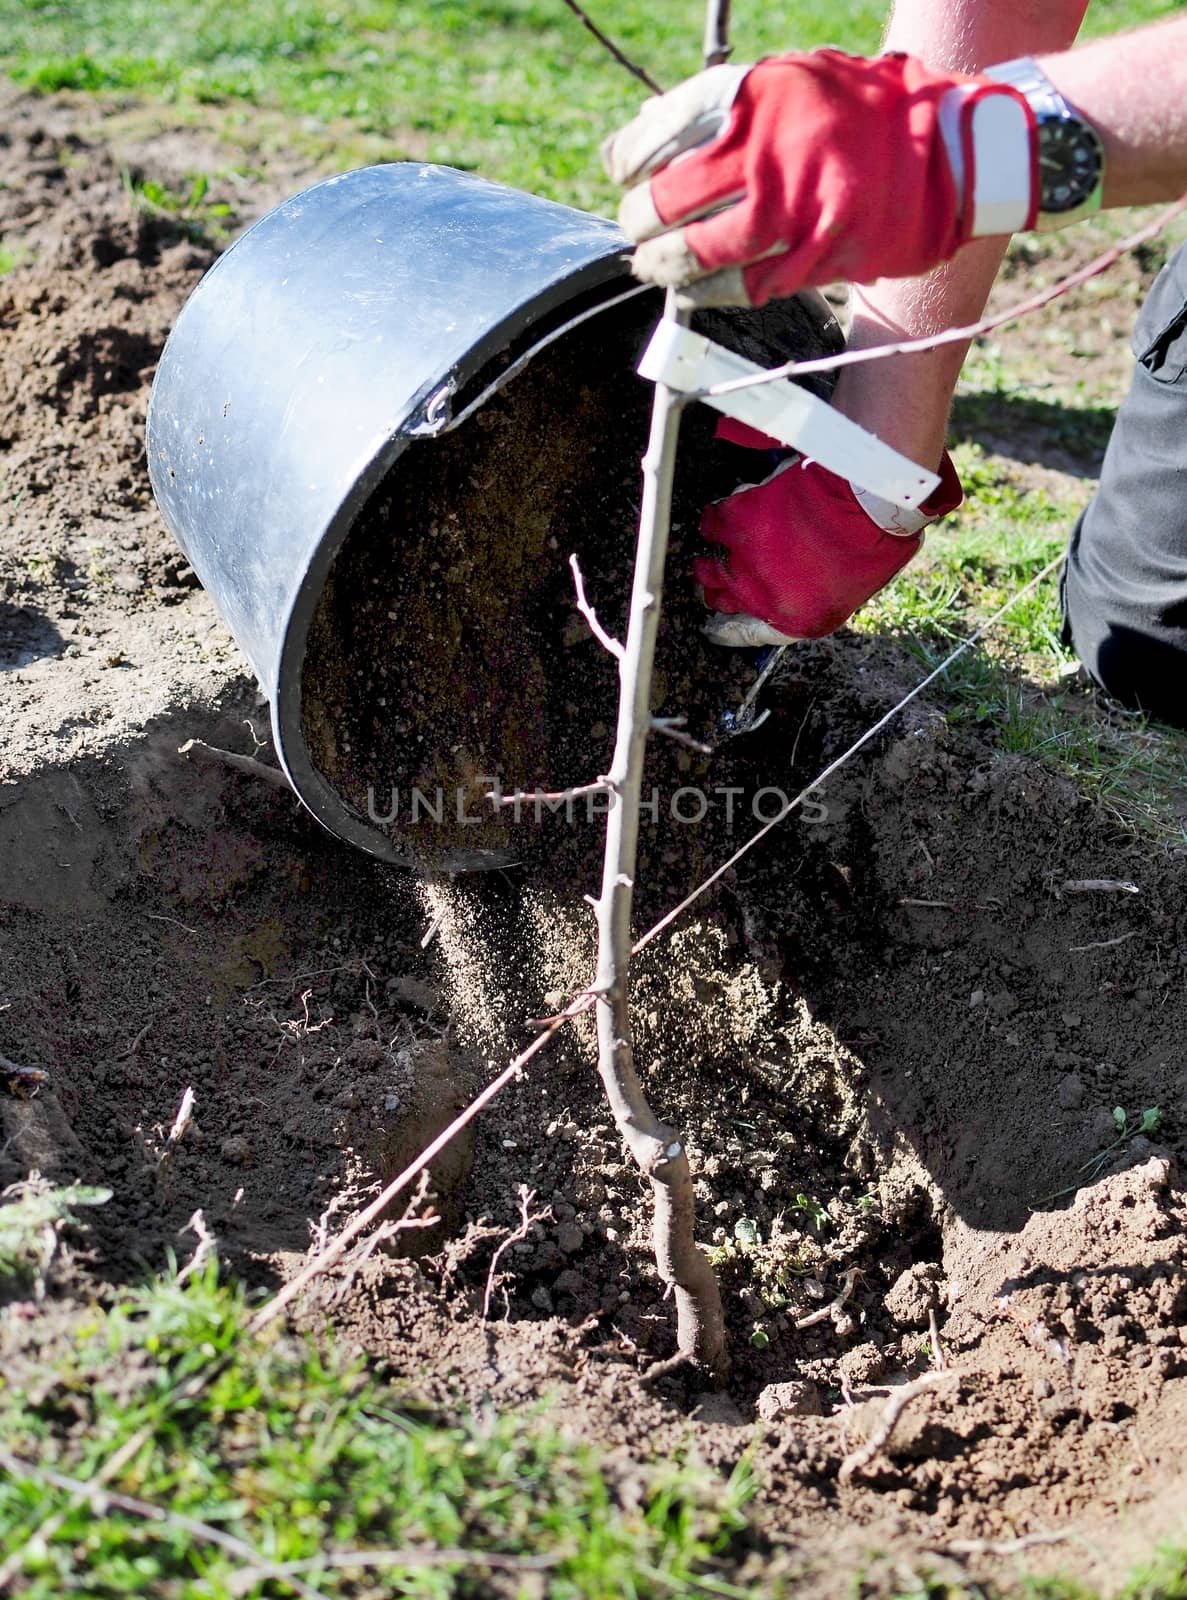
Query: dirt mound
x=896, y=1036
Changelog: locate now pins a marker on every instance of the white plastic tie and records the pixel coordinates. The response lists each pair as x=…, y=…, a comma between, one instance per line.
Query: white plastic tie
x=689, y=363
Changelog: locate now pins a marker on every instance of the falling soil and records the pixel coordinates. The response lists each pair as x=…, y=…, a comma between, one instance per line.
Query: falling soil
x=448, y=660
x=893, y=1038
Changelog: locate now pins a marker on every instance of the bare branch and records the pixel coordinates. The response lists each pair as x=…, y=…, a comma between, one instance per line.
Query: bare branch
x=552, y=797
x=608, y=44
x=1099, y=886
x=830, y=1311
x=606, y=640
x=673, y=728
x=895, y=1406
x=211, y=755
x=657, y=1148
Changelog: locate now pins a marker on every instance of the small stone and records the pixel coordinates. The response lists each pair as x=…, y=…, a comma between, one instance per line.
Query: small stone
x=913, y=1294
x=717, y=1408
x=865, y=1363
x=792, y=1399
x=541, y=1299
x=569, y=1237
x=1071, y=1019
x=977, y=998
x=569, y=1282
x=1070, y=1092
x=1104, y=1128
x=236, y=1150
x=1058, y=1407
x=413, y=992
x=1043, y=1388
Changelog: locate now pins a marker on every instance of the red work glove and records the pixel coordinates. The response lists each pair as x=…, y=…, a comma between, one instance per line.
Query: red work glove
x=803, y=550
x=809, y=168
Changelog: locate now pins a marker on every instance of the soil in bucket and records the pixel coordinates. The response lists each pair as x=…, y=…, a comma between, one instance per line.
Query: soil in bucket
x=447, y=653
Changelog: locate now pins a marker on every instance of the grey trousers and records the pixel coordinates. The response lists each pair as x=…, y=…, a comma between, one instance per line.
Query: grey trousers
x=1125, y=579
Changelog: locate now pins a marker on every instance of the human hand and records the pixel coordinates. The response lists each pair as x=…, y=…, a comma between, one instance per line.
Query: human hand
x=753, y=182
x=803, y=550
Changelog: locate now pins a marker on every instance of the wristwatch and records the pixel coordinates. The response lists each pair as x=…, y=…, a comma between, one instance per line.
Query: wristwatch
x=1071, y=156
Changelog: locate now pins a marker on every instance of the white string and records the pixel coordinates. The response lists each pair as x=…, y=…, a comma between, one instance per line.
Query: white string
x=972, y=330
x=835, y=766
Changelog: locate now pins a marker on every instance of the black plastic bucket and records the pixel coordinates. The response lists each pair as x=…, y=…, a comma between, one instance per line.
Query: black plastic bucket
x=362, y=316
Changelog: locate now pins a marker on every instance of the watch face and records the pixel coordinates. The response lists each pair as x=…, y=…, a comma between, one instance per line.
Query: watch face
x=1069, y=163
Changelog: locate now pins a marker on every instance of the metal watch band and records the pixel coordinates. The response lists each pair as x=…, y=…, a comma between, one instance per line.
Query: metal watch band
x=1026, y=76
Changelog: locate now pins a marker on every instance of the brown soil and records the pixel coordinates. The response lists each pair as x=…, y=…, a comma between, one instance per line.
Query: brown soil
x=889, y=1035
x=447, y=651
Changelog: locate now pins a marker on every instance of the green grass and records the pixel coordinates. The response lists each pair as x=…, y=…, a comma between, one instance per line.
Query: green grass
x=1016, y=685
x=513, y=88
x=298, y=1454
x=189, y=209
x=11, y=255
x=516, y=89
x=31, y=1214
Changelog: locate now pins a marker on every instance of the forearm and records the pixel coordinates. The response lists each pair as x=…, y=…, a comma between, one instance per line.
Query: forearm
x=1133, y=89
x=905, y=399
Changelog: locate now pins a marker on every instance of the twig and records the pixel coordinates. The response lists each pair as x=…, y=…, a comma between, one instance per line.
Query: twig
x=206, y=1244
x=848, y=1279
x=211, y=755
x=939, y=1360
x=181, y=1121
x=608, y=44
x=338, y=1560
x=974, y=330
x=673, y=728
x=48, y=1526
x=1099, y=886
x=177, y=1132
x=1002, y=1547
x=366, y=1248
x=895, y=1406
x=1101, y=944
x=335, y=1250
x=99, y=1498
x=125, y=1055
x=527, y=1219
x=606, y=640
x=657, y=1148
x=551, y=797
x=154, y=916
